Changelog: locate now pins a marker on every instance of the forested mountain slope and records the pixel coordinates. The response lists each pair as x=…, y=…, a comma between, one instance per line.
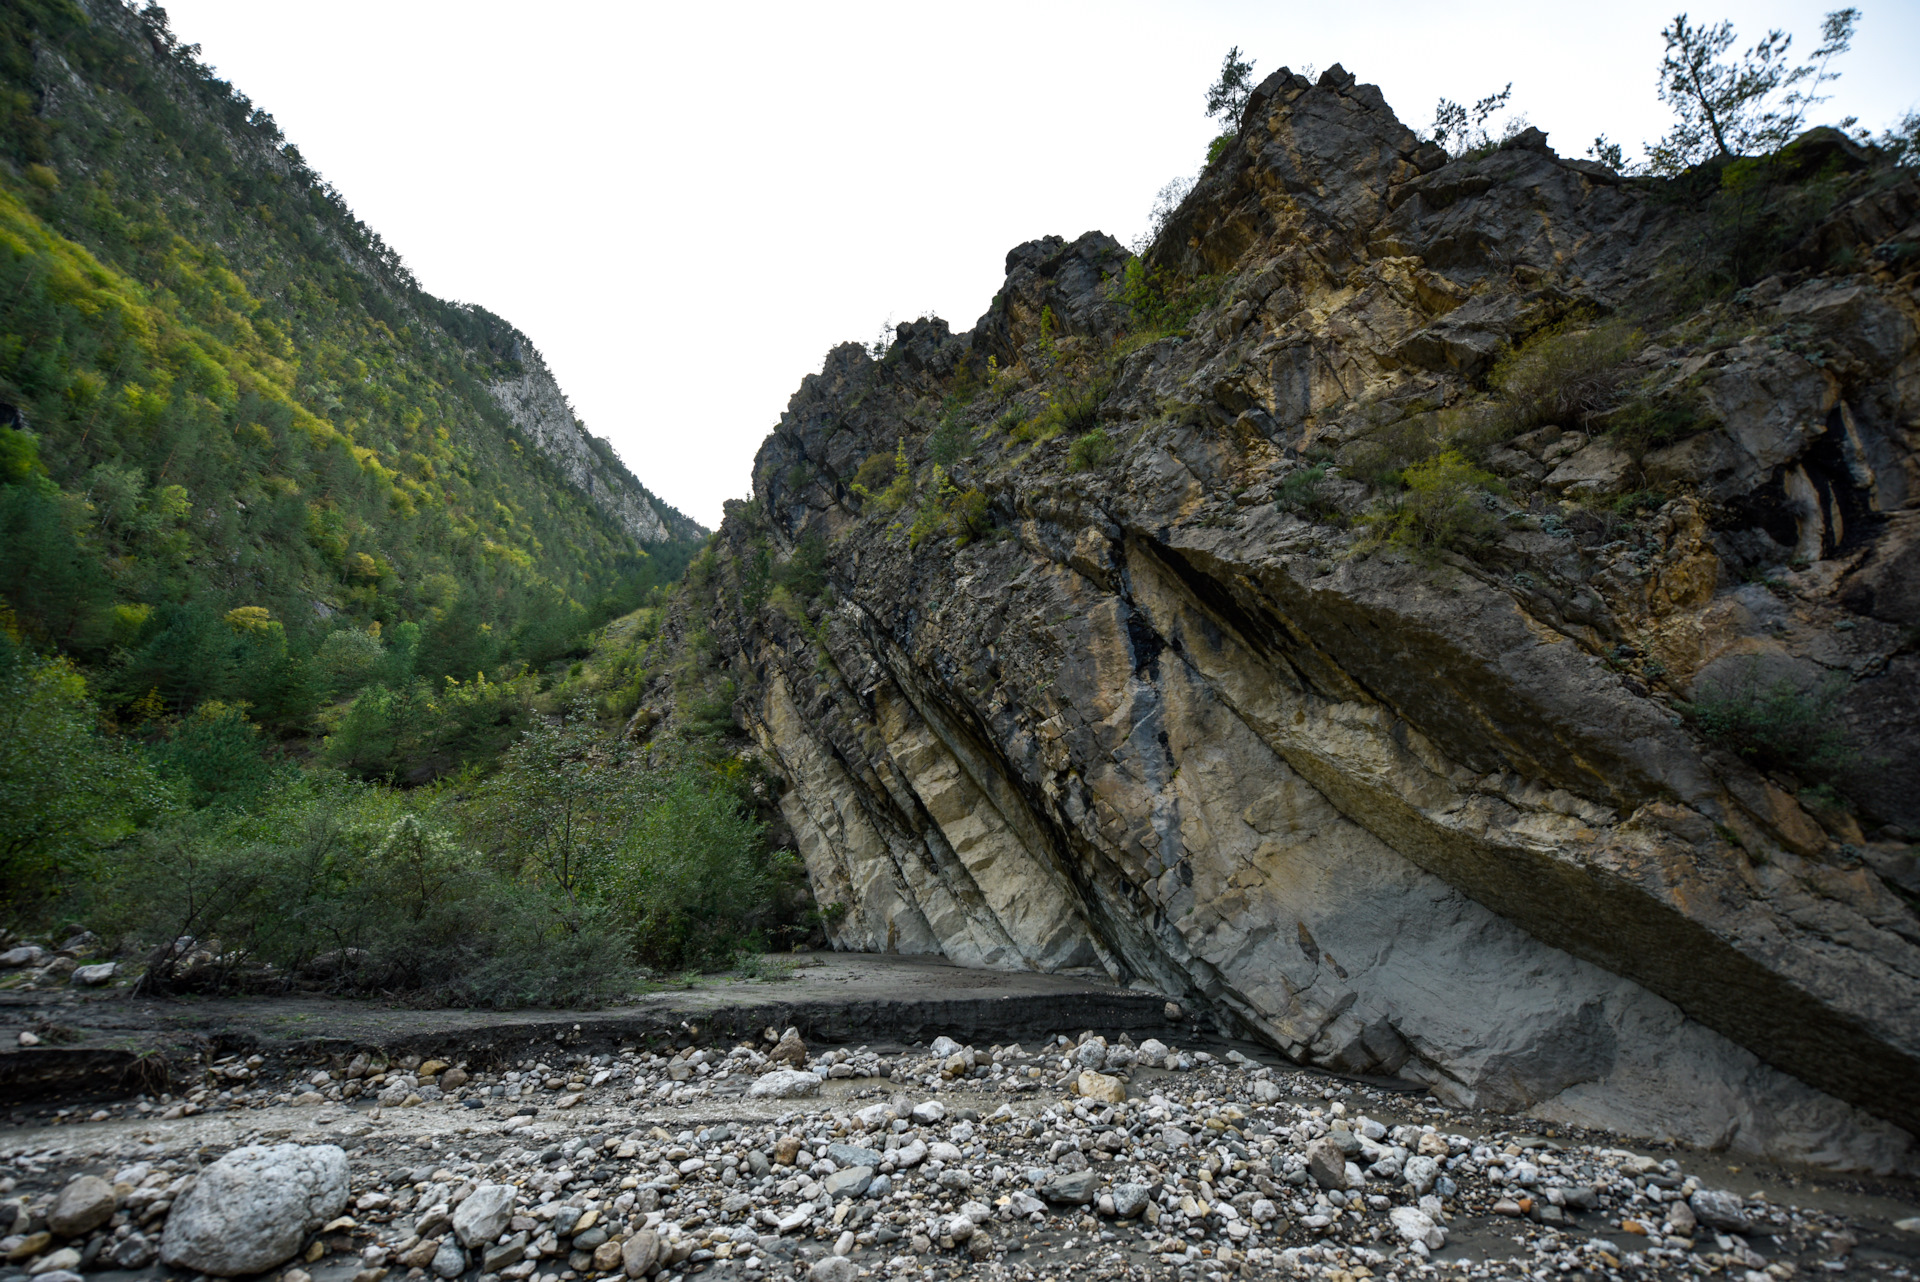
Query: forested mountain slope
x=237, y=427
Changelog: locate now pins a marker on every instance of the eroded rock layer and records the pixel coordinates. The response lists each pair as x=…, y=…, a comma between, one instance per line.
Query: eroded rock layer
x=1050, y=697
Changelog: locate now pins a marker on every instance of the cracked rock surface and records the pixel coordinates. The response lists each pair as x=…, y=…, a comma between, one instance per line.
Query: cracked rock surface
x=1442, y=817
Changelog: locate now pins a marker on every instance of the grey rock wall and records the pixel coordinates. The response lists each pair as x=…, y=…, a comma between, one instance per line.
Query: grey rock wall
x=539, y=409
x=1435, y=816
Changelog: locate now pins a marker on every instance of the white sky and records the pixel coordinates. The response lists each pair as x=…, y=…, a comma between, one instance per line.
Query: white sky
x=686, y=205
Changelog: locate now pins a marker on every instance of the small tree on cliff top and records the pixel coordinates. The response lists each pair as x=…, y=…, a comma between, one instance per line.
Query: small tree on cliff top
x=1728, y=108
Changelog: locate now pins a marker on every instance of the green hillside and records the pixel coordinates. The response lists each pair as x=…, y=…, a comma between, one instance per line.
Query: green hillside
x=300, y=573
x=246, y=457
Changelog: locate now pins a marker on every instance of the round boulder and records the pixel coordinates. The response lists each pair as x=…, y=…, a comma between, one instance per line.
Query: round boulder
x=251, y=1210
x=83, y=1206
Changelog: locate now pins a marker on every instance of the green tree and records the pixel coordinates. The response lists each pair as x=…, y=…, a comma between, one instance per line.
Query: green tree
x=66, y=789
x=694, y=876
x=1459, y=129
x=1728, y=108
x=561, y=807
x=1227, y=96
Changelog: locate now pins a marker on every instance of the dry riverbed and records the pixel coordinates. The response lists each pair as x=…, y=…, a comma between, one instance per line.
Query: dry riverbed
x=761, y=1157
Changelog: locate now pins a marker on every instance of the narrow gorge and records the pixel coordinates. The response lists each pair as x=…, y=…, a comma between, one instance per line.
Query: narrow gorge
x=1445, y=618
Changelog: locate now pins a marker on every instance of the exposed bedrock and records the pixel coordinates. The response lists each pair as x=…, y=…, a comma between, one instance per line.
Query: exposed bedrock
x=1435, y=816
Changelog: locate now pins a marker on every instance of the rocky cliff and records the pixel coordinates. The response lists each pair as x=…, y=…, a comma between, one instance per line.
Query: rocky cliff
x=537, y=406
x=1448, y=618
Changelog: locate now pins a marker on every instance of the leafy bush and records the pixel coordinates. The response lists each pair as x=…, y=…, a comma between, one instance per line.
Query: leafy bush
x=1443, y=506
x=1090, y=451
x=1780, y=723
x=693, y=876
x=1648, y=420
x=1159, y=303
x=764, y=966
x=1302, y=492
x=804, y=573
x=1075, y=409
x=895, y=496
x=216, y=755
x=420, y=730
x=1561, y=375
x=350, y=658
x=343, y=885
x=949, y=510
x=67, y=790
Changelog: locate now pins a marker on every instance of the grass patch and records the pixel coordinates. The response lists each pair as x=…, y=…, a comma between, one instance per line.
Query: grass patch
x=1091, y=451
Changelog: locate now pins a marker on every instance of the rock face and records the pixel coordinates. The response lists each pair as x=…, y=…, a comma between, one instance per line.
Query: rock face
x=1169, y=703
x=251, y=1209
x=539, y=409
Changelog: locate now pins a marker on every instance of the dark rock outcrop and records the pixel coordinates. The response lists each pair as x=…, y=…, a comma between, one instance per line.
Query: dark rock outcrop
x=1434, y=815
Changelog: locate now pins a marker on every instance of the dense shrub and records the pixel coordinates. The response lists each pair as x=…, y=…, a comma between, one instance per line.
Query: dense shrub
x=693, y=876
x=1443, y=505
x=1090, y=451
x=1561, y=375
x=67, y=789
x=353, y=887
x=1783, y=723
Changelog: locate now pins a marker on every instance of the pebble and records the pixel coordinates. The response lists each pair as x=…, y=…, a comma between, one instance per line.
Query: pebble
x=675, y=1166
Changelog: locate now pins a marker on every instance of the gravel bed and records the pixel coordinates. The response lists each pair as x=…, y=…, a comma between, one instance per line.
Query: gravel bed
x=767, y=1160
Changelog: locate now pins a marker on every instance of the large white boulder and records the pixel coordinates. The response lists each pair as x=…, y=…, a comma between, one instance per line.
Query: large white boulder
x=783, y=1083
x=251, y=1210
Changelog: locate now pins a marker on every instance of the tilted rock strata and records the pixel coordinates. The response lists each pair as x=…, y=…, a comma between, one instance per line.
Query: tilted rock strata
x=1391, y=816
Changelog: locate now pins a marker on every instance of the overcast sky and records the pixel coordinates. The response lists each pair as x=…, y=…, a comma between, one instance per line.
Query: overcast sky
x=686, y=205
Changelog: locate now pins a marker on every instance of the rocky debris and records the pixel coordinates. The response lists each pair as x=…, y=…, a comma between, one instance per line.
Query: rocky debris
x=784, y=1083
x=252, y=1209
x=790, y=1050
x=483, y=1215
x=1194, y=1169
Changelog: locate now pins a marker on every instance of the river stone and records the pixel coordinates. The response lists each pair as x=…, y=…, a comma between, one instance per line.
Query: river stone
x=1327, y=1164
x=850, y=1182
x=1075, y=1188
x=783, y=1083
x=1720, y=1209
x=135, y=1251
x=1410, y=1225
x=449, y=1261
x=483, y=1217
x=834, y=1268
x=1130, y=1199
x=95, y=976
x=640, y=1253
x=251, y=1210
x=852, y=1155
x=790, y=1050
x=83, y=1206
x=1420, y=1171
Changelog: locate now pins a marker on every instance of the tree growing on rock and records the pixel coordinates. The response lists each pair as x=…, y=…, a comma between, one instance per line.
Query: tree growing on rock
x=1227, y=97
x=1750, y=105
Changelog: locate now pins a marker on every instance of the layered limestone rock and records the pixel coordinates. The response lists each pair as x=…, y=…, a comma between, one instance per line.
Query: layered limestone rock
x=1167, y=703
x=536, y=405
